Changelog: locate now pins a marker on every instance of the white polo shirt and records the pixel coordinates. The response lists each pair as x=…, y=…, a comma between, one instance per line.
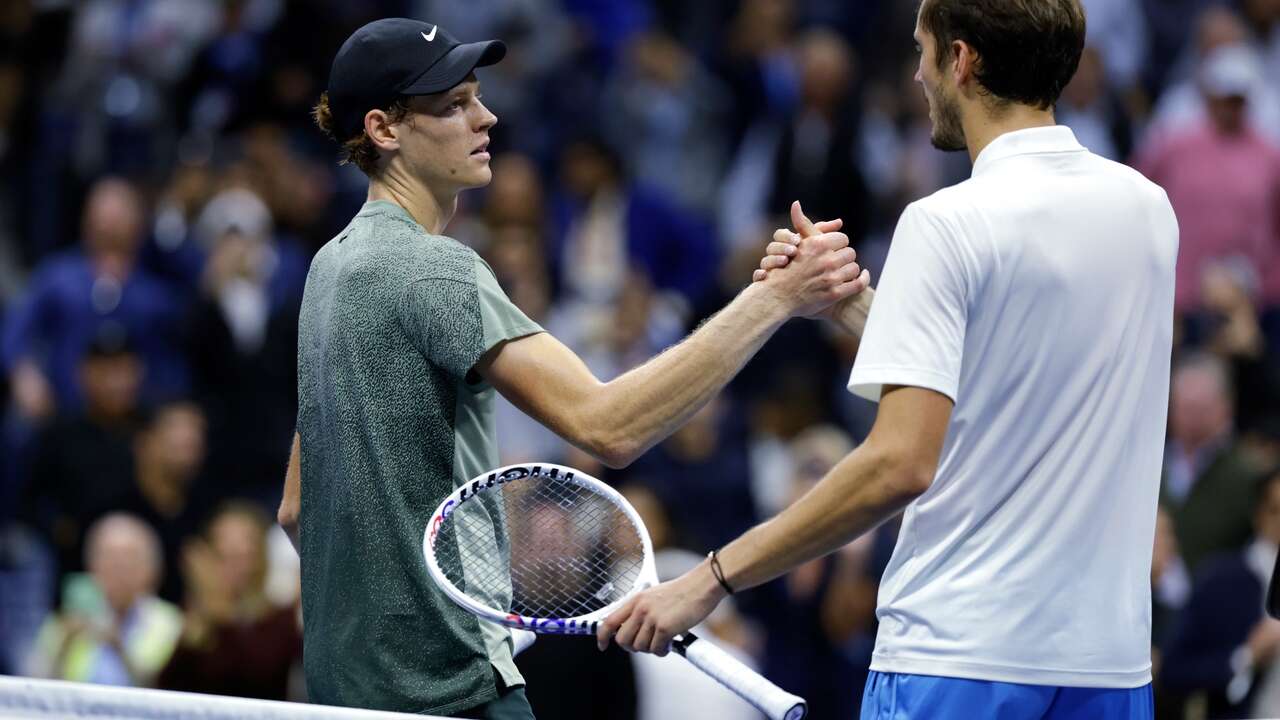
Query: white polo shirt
x=1038, y=296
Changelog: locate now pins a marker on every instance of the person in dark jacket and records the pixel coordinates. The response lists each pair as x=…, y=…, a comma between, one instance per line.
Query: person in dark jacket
x=1224, y=645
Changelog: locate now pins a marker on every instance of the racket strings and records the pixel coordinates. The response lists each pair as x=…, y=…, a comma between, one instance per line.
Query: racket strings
x=542, y=548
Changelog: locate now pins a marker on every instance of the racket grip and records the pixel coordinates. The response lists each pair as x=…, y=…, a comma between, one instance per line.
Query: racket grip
x=521, y=640
x=773, y=701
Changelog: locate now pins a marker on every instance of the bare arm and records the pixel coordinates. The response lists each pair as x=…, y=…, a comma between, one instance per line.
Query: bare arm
x=872, y=484
x=291, y=503
x=619, y=420
x=851, y=313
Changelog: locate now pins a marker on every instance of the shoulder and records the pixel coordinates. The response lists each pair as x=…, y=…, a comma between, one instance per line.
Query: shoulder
x=1144, y=190
x=390, y=250
x=442, y=273
x=947, y=202
x=1124, y=173
x=440, y=262
x=943, y=216
x=60, y=266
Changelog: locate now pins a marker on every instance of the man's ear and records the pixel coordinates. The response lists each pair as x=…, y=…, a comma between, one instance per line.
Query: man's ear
x=964, y=62
x=381, y=130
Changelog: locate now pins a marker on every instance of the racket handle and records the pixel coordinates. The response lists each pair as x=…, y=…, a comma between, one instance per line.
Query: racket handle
x=773, y=701
x=521, y=640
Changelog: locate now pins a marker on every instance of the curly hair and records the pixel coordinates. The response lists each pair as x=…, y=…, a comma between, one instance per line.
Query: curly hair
x=358, y=149
x=1028, y=50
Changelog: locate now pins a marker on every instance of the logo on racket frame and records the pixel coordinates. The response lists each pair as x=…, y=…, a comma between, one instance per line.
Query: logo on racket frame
x=553, y=626
x=470, y=491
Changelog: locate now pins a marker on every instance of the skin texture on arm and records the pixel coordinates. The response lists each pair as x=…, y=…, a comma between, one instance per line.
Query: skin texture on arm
x=619, y=420
x=872, y=484
x=291, y=503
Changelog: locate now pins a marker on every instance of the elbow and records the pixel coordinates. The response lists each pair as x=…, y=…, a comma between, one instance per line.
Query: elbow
x=908, y=479
x=287, y=515
x=612, y=449
x=618, y=454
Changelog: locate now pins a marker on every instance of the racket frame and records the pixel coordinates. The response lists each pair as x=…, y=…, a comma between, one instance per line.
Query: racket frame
x=579, y=625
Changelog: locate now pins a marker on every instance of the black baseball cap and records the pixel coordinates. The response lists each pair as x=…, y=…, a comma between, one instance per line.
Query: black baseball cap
x=392, y=57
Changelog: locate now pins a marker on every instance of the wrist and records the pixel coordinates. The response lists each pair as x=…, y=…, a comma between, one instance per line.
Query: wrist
x=768, y=301
x=709, y=586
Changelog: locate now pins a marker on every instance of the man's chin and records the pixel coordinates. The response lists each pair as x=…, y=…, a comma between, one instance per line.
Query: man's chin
x=948, y=143
x=479, y=178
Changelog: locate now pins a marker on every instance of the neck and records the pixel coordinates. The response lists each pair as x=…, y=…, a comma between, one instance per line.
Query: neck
x=432, y=210
x=982, y=126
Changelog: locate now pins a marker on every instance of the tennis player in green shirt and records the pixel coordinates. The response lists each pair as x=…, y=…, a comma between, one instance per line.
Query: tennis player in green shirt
x=403, y=338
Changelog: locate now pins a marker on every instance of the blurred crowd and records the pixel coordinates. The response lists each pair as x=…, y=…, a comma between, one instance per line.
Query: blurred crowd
x=162, y=189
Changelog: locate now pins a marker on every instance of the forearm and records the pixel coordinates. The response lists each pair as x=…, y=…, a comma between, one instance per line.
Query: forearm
x=851, y=315
x=641, y=407
x=861, y=492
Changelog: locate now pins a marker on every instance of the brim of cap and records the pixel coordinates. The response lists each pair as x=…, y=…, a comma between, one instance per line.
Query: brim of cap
x=455, y=66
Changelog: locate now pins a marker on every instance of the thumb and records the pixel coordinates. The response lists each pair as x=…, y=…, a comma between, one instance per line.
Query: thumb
x=802, y=224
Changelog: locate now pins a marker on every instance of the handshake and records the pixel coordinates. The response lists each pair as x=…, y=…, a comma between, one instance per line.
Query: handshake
x=814, y=271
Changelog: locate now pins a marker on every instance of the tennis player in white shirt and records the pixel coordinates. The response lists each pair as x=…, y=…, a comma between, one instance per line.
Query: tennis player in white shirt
x=1019, y=345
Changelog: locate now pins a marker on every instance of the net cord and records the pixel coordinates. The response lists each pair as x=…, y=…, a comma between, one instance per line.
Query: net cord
x=35, y=699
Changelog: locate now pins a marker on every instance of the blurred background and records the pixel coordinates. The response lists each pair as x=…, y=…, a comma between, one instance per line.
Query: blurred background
x=162, y=190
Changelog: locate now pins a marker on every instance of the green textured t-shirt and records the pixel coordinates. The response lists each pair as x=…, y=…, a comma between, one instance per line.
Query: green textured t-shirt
x=393, y=319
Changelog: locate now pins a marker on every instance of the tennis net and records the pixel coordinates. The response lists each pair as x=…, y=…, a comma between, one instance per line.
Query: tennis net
x=30, y=698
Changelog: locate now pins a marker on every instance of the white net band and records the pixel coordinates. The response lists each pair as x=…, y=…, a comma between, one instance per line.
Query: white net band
x=30, y=698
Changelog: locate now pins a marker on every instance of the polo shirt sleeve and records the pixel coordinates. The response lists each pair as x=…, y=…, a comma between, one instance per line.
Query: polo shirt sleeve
x=915, y=332
x=453, y=322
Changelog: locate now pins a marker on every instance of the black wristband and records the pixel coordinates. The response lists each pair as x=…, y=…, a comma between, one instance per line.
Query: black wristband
x=718, y=572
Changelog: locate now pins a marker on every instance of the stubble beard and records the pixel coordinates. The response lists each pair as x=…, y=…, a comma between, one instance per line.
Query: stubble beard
x=948, y=130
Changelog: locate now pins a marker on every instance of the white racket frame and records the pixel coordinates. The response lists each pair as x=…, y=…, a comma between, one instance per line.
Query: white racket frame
x=775, y=702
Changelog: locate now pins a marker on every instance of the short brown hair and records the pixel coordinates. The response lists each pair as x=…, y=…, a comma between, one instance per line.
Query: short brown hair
x=1028, y=50
x=358, y=149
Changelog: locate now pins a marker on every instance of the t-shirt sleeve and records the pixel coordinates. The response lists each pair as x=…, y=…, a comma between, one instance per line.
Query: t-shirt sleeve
x=502, y=320
x=454, y=322
x=915, y=332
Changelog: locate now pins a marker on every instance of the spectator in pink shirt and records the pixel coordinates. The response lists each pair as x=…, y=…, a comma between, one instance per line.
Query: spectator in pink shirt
x=1223, y=180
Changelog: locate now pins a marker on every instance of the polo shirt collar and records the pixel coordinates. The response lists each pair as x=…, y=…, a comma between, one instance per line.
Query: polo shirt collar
x=1031, y=141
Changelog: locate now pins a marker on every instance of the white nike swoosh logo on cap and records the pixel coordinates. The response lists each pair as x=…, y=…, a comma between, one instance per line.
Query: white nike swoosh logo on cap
x=432, y=36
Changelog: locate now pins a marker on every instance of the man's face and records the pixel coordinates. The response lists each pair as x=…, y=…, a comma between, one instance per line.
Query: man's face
x=445, y=138
x=123, y=566
x=1199, y=409
x=177, y=439
x=111, y=383
x=237, y=542
x=944, y=110
x=113, y=220
x=1227, y=113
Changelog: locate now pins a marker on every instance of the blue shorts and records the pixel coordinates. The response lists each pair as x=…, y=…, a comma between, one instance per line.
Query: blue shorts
x=891, y=696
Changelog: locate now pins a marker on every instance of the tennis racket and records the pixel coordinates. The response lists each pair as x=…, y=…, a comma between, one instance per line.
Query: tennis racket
x=549, y=549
